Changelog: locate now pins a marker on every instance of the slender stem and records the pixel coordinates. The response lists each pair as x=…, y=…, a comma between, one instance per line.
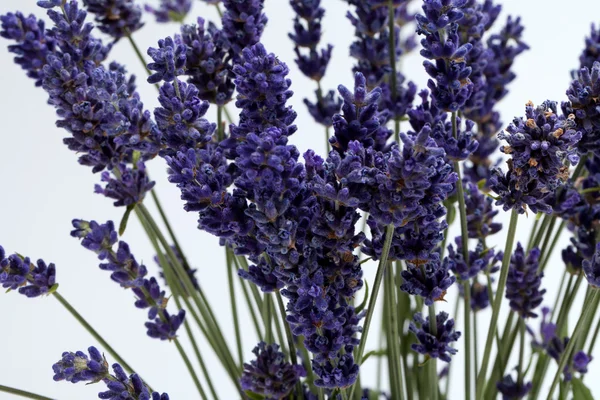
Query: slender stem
x=320, y=99
x=220, y=130
x=576, y=332
x=464, y=233
x=252, y=311
x=392, y=53
x=22, y=393
x=594, y=337
x=393, y=337
x=433, y=376
x=552, y=245
x=234, y=312
x=532, y=233
x=541, y=231
x=288, y=331
x=219, y=10
x=447, y=388
x=268, y=320
x=512, y=228
x=92, y=331
x=178, y=291
x=137, y=51
x=191, y=370
x=521, y=369
x=389, y=234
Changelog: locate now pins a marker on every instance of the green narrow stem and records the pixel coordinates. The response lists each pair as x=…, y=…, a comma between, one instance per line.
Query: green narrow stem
x=252, y=312
x=536, y=222
x=220, y=130
x=552, y=245
x=22, y=393
x=288, y=331
x=594, y=337
x=587, y=306
x=521, y=369
x=190, y=368
x=481, y=377
x=178, y=291
x=234, y=311
x=320, y=99
x=268, y=320
x=219, y=11
x=394, y=338
x=137, y=52
x=464, y=233
x=92, y=331
x=544, y=247
x=540, y=233
x=433, y=376
x=214, y=332
x=389, y=233
x=392, y=53
x=447, y=387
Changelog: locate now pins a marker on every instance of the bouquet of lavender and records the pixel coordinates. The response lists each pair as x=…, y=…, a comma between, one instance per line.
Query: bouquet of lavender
x=402, y=165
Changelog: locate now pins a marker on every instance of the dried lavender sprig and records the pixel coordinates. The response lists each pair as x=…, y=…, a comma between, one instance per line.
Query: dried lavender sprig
x=78, y=367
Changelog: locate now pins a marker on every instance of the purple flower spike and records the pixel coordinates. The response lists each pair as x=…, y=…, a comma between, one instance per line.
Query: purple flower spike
x=31, y=280
x=116, y=18
x=170, y=10
x=523, y=282
x=438, y=345
x=269, y=375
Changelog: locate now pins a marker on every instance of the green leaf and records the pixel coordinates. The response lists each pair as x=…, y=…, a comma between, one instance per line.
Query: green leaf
x=580, y=391
x=254, y=396
x=362, y=305
x=375, y=353
x=123, y=224
x=8, y=290
x=481, y=184
x=451, y=214
x=53, y=289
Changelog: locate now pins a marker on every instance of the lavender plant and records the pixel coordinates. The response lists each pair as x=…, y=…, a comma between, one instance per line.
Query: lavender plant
x=298, y=229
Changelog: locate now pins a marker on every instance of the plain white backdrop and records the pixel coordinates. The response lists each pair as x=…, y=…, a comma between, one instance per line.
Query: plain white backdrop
x=42, y=188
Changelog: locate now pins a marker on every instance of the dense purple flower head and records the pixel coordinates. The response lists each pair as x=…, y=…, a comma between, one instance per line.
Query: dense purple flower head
x=32, y=280
x=180, y=119
x=540, y=143
x=129, y=387
x=339, y=375
x=523, y=282
x=98, y=238
x=539, y=146
x=170, y=10
x=582, y=107
x=359, y=119
x=208, y=62
x=269, y=375
x=480, y=298
x=128, y=187
x=32, y=44
x=78, y=367
x=169, y=60
x=479, y=260
x=243, y=23
x=512, y=390
x=307, y=35
x=430, y=281
x=457, y=148
x=480, y=213
x=371, y=47
x=116, y=18
x=591, y=52
x=405, y=95
x=263, y=89
x=417, y=177
x=592, y=268
x=438, y=345
x=325, y=108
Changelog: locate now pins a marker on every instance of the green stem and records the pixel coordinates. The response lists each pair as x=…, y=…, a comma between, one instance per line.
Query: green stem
x=234, y=312
x=541, y=231
x=389, y=233
x=594, y=337
x=481, y=377
x=320, y=99
x=179, y=292
x=393, y=337
x=576, y=332
x=22, y=393
x=433, y=376
x=219, y=10
x=220, y=130
x=532, y=233
x=447, y=387
x=392, y=53
x=552, y=245
x=138, y=53
x=92, y=331
x=521, y=369
x=190, y=368
x=268, y=320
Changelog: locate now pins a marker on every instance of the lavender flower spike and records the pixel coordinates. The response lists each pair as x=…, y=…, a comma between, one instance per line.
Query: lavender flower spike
x=31, y=280
x=269, y=375
x=523, y=282
x=116, y=18
x=438, y=345
x=126, y=271
x=78, y=367
x=170, y=10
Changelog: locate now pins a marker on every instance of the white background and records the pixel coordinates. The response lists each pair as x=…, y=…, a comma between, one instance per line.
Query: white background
x=42, y=188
